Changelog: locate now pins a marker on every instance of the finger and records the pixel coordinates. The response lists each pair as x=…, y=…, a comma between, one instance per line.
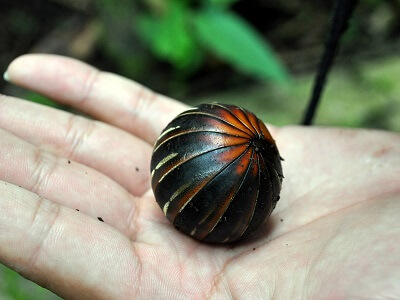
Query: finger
x=68, y=183
x=64, y=250
x=105, y=96
x=112, y=151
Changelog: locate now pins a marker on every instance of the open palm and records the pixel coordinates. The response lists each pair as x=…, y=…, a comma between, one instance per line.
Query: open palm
x=334, y=234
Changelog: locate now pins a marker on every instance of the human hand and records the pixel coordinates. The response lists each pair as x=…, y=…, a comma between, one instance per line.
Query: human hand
x=334, y=233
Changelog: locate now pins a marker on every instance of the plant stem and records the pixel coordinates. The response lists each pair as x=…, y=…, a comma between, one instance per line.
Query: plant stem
x=342, y=11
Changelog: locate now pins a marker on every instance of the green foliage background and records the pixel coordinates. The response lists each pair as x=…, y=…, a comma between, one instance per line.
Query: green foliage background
x=181, y=39
x=183, y=34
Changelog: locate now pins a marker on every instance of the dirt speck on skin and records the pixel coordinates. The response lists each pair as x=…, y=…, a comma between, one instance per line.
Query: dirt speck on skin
x=69, y=161
x=382, y=151
x=100, y=219
x=137, y=169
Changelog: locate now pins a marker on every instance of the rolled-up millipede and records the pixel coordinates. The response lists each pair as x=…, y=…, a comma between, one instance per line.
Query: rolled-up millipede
x=216, y=172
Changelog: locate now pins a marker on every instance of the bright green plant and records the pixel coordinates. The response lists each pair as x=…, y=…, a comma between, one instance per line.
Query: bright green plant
x=17, y=288
x=230, y=37
x=180, y=33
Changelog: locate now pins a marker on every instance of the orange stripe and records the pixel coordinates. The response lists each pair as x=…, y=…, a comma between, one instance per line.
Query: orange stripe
x=225, y=157
x=211, y=223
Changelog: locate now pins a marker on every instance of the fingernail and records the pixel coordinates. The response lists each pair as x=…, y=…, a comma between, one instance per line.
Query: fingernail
x=6, y=77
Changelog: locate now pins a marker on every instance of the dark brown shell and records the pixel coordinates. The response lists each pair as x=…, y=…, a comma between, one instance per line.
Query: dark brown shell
x=216, y=172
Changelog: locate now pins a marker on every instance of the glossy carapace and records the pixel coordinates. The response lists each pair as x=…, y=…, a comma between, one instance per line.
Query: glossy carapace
x=216, y=172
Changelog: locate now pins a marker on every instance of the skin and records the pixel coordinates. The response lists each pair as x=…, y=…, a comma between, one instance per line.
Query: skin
x=333, y=235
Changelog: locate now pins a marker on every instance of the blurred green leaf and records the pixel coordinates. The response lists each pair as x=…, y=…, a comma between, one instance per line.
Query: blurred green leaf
x=18, y=288
x=222, y=2
x=31, y=96
x=13, y=288
x=169, y=35
x=237, y=42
